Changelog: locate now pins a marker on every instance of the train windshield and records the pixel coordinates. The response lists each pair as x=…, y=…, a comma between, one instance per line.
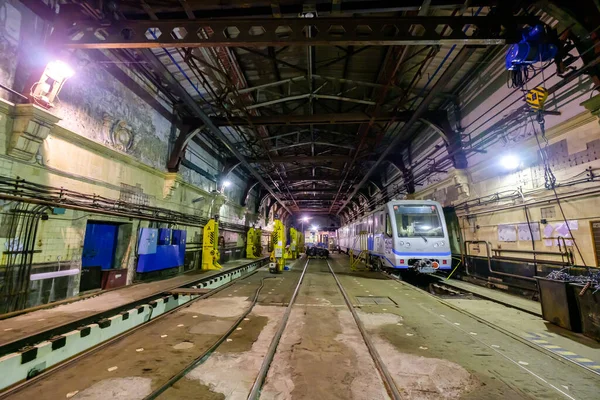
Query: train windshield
x=417, y=220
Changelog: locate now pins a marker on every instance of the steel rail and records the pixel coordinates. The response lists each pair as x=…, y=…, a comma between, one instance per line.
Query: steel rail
x=495, y=327
x=381, y=367
x=207, y=353
x=264, y=368
x=23, y=385
x=440, y=282
x=15, y=345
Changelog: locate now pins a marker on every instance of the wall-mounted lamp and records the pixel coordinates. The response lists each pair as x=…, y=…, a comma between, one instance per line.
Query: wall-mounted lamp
x=226, y=184
x=46, y=90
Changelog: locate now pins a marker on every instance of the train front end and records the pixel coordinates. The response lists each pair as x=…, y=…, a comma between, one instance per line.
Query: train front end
x=419, y=236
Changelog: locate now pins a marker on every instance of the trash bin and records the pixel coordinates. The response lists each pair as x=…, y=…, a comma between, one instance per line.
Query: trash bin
x=559, y=304
x=589, y=310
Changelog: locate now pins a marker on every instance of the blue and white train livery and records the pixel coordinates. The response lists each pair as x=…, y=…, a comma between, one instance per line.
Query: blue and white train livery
x=402, y=234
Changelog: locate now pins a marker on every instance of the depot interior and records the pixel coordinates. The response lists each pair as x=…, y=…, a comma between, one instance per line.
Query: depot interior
x=156, y=138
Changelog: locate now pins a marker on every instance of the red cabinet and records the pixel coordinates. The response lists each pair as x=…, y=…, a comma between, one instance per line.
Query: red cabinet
x=112, y=278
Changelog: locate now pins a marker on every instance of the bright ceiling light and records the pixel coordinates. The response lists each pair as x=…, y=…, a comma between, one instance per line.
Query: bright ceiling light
x=305, y=219
x=226, y=183
x=314, y=228
x=510, y=162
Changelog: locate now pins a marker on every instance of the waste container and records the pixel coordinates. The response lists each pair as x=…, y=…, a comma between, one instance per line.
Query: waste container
x=589, y=310
x=559, y=304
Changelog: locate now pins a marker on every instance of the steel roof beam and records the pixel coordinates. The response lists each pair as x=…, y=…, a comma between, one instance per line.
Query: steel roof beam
x=302, y=78
x=313, y=190
x=288, y=146
x=308, y=96
x=458, y=62
x=185, y=97
x=299, y=159
x=316, y=119
x=360, y=31
x=309, y=180
x=220, y=9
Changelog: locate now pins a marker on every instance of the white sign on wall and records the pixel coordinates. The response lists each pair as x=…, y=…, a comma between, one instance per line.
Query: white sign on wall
x=525, y=233
x=507, y=233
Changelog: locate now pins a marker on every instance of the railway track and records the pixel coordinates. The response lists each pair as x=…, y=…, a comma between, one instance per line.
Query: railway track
x=223, y=279
x=382, y=369
x=305, y=284
x=437, y=286
x=8, y=346
x=268, y=359
x=441, y=292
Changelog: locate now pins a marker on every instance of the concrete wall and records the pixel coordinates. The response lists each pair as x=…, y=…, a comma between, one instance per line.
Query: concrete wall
x=577, y=142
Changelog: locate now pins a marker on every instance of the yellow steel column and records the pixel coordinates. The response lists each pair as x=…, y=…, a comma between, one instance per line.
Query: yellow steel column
x=257, y=244
x=210, y=247
x=251, y=243
x=293, y=243
x=278, y=244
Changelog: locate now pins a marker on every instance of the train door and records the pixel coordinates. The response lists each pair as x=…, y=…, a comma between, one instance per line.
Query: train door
x=379, y=226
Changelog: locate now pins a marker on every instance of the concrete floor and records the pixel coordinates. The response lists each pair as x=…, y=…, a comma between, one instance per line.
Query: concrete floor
x=432, y=349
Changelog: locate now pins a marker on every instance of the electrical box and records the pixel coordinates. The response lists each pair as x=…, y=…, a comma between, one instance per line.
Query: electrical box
x=164, y=236
x=168, y=247
x=148, y=241
x=179, y=237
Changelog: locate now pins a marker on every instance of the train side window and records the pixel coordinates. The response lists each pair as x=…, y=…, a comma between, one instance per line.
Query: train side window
x=388, y=225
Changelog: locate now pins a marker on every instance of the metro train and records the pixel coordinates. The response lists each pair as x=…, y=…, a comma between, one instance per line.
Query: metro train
x=402, y=234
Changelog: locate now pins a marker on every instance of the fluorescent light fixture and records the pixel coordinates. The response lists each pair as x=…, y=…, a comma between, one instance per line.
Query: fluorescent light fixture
x=510, y=162
x=305, y=219
x=226, y=183
x=314, y=228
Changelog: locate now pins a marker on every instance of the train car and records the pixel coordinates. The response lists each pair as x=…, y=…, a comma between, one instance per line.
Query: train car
x=402, y=234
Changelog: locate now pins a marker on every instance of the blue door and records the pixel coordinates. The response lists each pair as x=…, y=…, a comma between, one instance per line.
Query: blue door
x=99, y=245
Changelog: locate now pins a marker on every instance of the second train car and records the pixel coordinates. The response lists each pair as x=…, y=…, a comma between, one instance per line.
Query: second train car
x=402, y=234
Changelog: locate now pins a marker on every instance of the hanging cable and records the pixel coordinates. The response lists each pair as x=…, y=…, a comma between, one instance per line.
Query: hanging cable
x=549, y=177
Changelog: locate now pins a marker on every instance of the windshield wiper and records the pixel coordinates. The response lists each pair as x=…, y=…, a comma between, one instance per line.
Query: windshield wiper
x=422, y=236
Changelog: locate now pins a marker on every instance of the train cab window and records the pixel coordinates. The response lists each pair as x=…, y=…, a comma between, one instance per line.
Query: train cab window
x=416, y=220
x=388, y=225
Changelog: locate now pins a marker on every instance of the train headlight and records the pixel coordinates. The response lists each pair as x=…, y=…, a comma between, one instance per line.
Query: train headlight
x=442, y=243
x=401, y=243
x=436, y=245
x=407, y=244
